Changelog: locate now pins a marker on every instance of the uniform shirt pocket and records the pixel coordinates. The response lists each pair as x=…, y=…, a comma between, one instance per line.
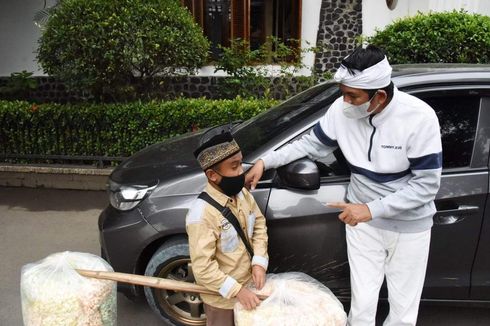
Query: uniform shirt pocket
x=228, y=239
x=251, y=224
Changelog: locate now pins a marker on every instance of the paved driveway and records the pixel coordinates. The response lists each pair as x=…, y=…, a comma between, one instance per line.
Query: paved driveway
x=37, y=222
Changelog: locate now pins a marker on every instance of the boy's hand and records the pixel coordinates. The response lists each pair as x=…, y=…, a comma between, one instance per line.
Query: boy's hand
x=253, y=175
x=258, y=276
x=247, y=298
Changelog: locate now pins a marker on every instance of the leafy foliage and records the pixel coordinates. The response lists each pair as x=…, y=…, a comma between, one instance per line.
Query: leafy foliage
x=18, y=85
x=248, y=77
x=111, y=129
x=103, y=46
x=451, y=37
x=237, y=60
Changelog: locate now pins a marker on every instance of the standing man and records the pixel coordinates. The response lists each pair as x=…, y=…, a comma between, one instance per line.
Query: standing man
x=392, y=143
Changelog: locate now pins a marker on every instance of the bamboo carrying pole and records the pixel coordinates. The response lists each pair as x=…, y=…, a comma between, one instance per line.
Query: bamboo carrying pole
x=154, y=282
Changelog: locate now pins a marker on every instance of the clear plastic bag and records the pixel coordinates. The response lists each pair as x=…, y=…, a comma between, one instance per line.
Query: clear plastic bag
x=53, y=293
x=294, y=299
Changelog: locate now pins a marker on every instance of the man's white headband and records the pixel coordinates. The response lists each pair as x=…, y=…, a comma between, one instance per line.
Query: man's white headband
x=374, y=77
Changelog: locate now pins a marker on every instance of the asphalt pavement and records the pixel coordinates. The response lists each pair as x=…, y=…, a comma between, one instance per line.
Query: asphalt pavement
x=35, y=223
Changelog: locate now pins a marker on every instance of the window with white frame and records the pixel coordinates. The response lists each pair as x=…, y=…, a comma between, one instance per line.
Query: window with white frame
x=251, y=20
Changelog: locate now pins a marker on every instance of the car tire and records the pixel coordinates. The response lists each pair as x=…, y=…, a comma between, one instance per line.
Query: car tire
x=172, y=261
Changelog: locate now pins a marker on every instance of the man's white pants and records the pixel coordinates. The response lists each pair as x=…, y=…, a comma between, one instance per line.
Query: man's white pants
x=401, y=257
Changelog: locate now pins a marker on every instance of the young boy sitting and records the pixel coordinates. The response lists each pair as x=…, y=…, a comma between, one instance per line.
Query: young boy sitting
x=220, y=258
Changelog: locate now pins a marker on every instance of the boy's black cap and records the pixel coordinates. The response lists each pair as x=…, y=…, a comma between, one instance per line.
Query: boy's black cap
x=216, y=149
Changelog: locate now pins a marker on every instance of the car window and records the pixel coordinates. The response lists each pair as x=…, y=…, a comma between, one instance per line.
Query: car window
x=333, y=165
x=262, y=128
x=458, y=117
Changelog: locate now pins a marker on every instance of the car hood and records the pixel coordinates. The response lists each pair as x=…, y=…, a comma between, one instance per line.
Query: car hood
x=170, y=159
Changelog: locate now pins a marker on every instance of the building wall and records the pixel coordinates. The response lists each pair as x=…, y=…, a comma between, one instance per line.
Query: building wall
x=376, y=14
x=310, y=19
x=340, y=24
x=19, y=35
x=333, y=24
x=51, y=90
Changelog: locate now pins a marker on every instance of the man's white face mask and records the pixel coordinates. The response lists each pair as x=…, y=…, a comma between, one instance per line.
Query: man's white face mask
x=352, y=111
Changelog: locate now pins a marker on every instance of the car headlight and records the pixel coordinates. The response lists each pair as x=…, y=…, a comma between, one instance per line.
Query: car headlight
x=124, y=197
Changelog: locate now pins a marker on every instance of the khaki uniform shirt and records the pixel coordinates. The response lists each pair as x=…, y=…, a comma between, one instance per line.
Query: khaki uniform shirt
x=220, y=260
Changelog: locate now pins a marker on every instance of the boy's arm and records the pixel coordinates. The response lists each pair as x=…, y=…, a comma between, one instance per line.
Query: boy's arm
x=202, y=248
x=259, y=238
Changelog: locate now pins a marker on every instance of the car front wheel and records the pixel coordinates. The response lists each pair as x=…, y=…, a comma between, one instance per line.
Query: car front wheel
x=172, y=261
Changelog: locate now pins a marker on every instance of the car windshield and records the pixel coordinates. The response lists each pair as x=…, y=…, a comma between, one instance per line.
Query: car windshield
x=258, y=130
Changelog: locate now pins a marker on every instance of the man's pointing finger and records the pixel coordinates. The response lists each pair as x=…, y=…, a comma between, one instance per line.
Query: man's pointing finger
x=337, y=205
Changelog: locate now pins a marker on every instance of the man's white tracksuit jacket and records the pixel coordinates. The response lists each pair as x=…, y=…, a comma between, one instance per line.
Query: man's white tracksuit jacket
x=395, y=158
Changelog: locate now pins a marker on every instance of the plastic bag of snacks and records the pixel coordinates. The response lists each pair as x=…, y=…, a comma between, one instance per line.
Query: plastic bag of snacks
x=53, y=293
x=294, y=299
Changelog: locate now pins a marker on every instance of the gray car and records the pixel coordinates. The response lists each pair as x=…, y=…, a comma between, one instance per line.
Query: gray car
x=143, y=230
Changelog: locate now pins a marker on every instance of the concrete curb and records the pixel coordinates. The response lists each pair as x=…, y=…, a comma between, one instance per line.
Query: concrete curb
x=54, y=176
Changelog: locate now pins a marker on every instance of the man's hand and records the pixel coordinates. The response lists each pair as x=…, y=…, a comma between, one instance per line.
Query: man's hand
x=253, y=175
x=352, y=213
x=247, y=298
x=258, y=276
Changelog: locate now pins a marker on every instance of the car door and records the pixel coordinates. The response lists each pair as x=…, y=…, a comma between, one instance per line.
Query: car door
x=304, y=234
x=480, y=276
x=462, y=196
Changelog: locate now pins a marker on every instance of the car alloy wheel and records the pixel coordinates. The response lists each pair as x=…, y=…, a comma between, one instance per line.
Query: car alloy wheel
x=187, y=308
x=172, y=261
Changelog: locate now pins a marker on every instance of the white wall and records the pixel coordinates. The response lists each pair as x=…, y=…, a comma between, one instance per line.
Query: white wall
x=376, y=14
x=18, y=36
x=310, y=22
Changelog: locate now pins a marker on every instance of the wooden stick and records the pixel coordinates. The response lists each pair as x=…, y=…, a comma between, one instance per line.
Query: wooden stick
x=154, y=282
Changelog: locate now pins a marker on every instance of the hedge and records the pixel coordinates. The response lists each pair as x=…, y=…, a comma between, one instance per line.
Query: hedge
x=450, y=37
x=111, y=129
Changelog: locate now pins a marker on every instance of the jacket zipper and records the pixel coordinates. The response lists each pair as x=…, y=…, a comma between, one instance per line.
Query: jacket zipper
x=372, y=136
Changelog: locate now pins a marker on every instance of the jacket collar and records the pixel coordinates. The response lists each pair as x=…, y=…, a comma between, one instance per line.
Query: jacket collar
x=380, y=118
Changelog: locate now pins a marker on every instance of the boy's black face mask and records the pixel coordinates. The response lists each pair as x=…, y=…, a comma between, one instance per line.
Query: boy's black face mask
x=232, y=185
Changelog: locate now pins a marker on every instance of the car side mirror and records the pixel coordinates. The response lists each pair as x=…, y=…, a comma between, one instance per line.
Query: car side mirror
x=300, y=174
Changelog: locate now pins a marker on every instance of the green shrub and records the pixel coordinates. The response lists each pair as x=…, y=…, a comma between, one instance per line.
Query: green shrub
x=244, y=79
x=111, y=129
x=18, y=85
x=248, y=77
x=106, y=47
x=451, y=37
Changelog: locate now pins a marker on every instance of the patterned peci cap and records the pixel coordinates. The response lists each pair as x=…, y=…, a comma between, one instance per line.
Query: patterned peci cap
x=216, y=149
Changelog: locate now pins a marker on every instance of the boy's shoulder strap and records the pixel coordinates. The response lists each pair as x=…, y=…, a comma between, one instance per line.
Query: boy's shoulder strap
x=210, y=200
x=228, y=214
